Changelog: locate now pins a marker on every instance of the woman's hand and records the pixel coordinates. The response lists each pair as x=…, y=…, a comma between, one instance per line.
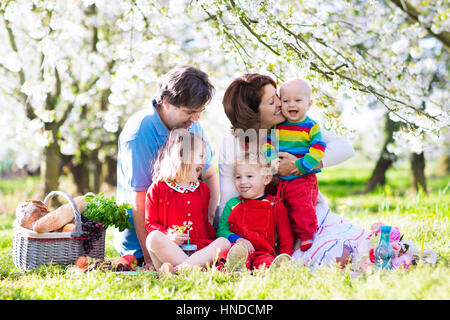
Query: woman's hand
x=178, y=238
x=287, y=165
x=246, y=243
x=274, y=164
x=319, y=165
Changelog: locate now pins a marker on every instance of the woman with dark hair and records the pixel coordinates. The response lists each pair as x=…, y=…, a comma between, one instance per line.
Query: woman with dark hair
x=253, y=107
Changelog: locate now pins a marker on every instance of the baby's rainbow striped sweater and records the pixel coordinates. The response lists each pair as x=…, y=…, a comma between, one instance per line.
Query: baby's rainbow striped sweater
x=302, y=139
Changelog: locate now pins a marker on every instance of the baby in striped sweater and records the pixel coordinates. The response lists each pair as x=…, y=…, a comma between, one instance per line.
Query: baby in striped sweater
x=299, y=135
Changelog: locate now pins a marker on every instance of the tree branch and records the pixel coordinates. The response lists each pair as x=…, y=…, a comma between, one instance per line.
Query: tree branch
x=444, y=36
x=65, y=114
x=243, y=18
x=359, y=85
x=330, y=70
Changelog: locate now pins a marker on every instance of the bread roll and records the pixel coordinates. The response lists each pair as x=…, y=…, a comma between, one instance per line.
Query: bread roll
x=29, y=211
x=62, y=228
x=60, y=217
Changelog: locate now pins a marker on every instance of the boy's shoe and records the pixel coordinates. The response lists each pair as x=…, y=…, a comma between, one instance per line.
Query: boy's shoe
x=305, y=245
x=236, y=258
x=280, y=260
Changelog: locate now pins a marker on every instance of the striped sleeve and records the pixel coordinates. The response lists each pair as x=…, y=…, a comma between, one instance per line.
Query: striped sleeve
x=315, y=153
x=269, y=147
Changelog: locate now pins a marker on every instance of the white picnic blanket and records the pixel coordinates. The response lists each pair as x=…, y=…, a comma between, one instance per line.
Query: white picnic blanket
x=328, y=242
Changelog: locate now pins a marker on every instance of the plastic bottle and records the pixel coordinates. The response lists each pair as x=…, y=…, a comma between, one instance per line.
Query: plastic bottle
x=384, y=252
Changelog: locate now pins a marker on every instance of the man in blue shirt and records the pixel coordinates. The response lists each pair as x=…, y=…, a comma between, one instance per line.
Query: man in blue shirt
x=182, y=96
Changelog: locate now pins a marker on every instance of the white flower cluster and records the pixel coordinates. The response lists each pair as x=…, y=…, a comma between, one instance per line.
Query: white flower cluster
x=99, y=60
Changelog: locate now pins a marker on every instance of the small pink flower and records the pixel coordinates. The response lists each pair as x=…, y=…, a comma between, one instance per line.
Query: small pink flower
x=395, y=234
x=375, y=228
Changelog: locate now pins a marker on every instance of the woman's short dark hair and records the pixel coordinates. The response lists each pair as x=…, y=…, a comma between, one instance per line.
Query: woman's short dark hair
x=242, y=99
x=185, y=86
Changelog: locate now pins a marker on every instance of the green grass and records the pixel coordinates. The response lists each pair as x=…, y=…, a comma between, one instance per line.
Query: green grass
x=418, y=217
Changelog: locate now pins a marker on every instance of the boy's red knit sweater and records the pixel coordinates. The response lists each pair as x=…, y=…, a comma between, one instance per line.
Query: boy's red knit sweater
x=262, y=222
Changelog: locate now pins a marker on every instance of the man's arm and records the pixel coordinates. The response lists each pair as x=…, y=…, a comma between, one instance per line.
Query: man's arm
x=211, y=179
x=139, y=222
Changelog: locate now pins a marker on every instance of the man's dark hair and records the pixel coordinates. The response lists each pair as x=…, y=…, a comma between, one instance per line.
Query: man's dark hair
x=185, y=86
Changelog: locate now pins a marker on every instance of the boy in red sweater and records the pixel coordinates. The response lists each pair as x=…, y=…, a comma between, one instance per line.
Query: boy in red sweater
x=255, y=220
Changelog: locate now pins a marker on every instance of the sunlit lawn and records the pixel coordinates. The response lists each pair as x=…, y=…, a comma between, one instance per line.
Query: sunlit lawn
x=419, y=217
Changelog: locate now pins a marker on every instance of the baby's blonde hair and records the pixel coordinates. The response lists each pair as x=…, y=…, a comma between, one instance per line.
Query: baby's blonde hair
x=175, y=158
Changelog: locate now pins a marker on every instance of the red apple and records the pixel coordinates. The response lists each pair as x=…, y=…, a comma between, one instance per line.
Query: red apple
x=81, y=262
x=132, y=261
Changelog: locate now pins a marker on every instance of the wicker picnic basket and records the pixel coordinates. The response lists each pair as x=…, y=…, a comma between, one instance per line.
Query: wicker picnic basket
x=33, y=249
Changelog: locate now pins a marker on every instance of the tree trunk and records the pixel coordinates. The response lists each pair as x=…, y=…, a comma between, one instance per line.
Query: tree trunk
x=443, y=166
x=96, y=172
x=50, y=165
x=80, y=174
x=110, y=170
x=87, y=173
x=418, y=172
x=386, y=159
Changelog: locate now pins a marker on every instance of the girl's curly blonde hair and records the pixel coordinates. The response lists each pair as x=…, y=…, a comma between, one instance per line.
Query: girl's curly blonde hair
x=175, y=158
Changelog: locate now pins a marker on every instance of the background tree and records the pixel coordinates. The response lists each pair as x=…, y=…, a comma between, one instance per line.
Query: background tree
x=71, y=74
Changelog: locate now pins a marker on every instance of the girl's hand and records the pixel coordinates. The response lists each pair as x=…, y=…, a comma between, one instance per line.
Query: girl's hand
x=178, y=238
x=148, y=267
x=247, y=243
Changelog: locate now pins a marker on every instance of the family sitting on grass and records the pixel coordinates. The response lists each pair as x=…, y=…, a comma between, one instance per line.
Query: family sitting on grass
x=270, y=210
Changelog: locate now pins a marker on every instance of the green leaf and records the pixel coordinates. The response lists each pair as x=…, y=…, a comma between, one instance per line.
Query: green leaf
x=106, y=211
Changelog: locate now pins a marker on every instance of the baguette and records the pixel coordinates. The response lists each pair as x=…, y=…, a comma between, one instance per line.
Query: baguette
x=59, y=217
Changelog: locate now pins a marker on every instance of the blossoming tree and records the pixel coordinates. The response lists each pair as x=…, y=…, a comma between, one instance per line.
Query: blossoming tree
x=393, y=53
x=72, y=72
